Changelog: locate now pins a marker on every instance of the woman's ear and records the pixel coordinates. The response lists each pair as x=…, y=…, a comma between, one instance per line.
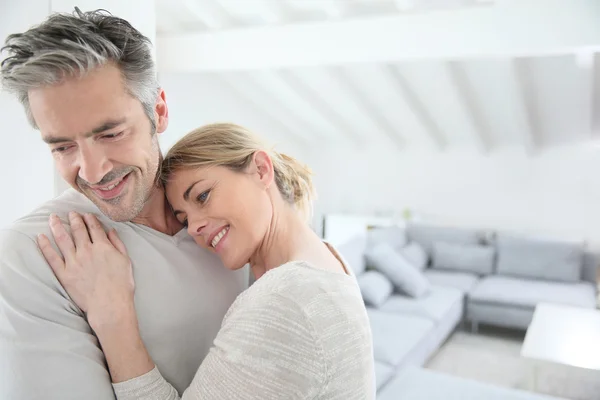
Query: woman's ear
x=264, y=167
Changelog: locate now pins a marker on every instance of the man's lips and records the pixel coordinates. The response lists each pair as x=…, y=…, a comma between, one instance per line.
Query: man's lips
x=112, y=189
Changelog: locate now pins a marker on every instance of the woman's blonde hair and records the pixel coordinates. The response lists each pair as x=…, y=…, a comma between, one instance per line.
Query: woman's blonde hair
x=232, y=146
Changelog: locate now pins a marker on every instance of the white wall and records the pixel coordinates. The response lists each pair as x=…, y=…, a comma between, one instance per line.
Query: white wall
x=555, y=193
x=25, y=162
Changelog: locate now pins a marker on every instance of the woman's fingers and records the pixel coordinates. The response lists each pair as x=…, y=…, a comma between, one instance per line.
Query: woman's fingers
x=52, y=257
x=116, y=241
x=79, y=230
x=62, y=238
x=95, y=229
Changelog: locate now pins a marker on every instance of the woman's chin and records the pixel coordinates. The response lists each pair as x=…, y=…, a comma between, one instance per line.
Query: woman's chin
x=233, y=266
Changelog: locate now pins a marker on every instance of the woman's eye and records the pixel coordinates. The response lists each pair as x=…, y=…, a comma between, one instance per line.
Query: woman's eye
x=202, y=197
x=185, y=223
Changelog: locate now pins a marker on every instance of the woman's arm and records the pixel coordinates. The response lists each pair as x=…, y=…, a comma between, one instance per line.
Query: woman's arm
x=96, y=272
x=122, y=345
x=266, y=349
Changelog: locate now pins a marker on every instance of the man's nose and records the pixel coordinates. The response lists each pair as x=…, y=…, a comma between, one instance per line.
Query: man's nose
x=93, y=165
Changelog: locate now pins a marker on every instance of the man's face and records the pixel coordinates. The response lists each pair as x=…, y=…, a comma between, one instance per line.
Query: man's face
x=101, y=139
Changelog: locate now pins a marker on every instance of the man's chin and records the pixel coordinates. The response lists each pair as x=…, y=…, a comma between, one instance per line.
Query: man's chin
x=117, y=209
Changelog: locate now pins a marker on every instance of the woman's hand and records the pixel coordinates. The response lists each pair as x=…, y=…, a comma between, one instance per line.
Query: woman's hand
x=96, y=272
x=94, y=268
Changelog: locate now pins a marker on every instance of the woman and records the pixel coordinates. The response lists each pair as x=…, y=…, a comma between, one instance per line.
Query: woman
x=299, y=332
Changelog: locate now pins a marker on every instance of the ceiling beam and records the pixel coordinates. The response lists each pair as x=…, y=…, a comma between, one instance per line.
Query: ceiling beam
x=209, y=13
x=324, y=108
x=417, y=107
x=474, y=111
x=506, y=28
x=272, y=85
x=250, y=94
x=527, y=104
x=314, y=114
x=373, y=113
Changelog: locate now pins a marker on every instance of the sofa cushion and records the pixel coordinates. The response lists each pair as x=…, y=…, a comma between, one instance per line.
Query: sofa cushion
x=375, y=288
x=383, y=373
x=395, y=335
x=353, y=253
x=414, y=383
x=537, y=258
x=462, y=281
x=527, y=293
x=406, y=278
x=392, y=235
x=478, y=259
x=426, y=235
x=415, y=254
x=434, y=305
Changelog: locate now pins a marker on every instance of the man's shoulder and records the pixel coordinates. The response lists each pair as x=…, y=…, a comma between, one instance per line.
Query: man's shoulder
x=20, y=256
x=36, y=222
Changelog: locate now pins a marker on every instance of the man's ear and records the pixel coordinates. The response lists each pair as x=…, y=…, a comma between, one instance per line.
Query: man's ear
x=161, y=112
x=264, y=167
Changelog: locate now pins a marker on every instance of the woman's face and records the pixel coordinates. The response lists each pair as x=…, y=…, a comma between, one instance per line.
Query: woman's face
x=225, y=211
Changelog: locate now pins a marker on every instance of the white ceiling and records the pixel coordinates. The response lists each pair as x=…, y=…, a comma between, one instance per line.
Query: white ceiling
x=406, y=73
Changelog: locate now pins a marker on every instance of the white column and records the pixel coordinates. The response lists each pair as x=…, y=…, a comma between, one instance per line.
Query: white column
x=25, y=162
x=140, y=13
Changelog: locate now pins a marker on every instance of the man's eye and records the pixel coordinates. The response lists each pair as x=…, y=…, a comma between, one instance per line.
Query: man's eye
x=61, y=149
x=111, y=135
x=202, y=197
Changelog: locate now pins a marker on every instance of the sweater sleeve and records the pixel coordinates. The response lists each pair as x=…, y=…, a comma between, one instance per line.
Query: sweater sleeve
x=47, y=349
x=266, y=349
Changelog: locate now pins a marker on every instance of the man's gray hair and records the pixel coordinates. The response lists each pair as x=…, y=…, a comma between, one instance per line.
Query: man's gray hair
x=70, y=45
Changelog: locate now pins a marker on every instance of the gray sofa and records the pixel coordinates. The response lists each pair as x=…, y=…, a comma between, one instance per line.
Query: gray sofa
x=406, y=331
x=460, y=285
x=520, y=272
x=419, y=384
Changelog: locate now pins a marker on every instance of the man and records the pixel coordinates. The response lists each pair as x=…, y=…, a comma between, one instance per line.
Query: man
x=87, y=82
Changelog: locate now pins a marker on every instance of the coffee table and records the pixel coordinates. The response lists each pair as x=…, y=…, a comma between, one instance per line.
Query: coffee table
x=565, y=335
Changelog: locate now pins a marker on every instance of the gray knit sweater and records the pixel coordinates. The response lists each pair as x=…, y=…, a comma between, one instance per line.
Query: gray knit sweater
x=299, y=332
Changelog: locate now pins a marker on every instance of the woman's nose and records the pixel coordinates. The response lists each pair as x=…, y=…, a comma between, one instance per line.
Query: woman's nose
x=196, y=227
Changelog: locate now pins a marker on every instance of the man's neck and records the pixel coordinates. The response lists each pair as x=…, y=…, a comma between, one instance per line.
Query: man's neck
x=157, y=214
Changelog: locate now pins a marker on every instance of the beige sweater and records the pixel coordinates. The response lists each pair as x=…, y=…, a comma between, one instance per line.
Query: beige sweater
x=299, y=332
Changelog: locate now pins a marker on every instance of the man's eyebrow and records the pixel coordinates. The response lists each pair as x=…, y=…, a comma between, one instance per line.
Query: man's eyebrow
x=105, y=127
x=102, y=128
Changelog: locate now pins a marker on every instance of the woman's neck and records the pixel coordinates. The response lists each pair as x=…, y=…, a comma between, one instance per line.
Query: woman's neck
x=286, y=240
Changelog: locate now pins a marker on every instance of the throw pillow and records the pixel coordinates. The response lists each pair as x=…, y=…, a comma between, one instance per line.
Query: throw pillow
x=375, y=288
x=478, y=259
x=393, y=235
x=539, y=258
x=426, y=235
x=403, y=275
x=416, y=255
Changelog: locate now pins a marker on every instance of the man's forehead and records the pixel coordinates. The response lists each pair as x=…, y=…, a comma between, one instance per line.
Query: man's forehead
x=107, y=125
